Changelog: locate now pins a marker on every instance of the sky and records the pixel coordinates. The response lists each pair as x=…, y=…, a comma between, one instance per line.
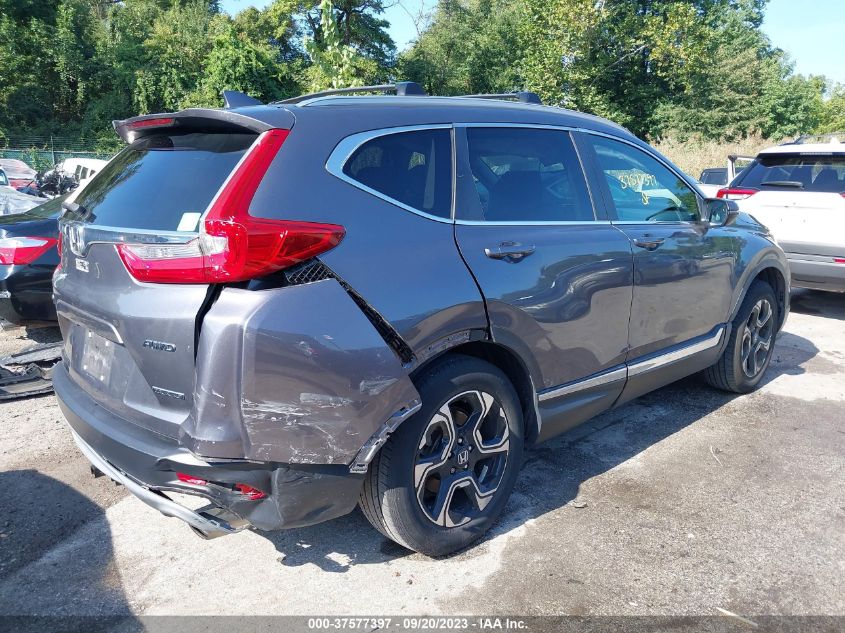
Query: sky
x=811, y=31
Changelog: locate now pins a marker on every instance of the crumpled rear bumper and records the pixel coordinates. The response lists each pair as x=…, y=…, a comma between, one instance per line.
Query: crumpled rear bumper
x=148, y=463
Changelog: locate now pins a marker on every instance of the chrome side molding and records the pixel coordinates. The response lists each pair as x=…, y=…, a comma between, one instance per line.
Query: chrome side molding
x=635, y=368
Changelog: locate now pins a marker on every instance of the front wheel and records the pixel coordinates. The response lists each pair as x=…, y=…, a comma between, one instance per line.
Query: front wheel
x=444, y=477
x=751, y=345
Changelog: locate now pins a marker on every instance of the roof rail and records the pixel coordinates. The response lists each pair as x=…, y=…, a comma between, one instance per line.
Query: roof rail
x=401, y=88
x=831, y=137
x=522, y=96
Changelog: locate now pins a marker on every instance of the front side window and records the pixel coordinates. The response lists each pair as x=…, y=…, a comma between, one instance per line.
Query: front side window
x=642, y=188
x=414, y=168
x=527, y=175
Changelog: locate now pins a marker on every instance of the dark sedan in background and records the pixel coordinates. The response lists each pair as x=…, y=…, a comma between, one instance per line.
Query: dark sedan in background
x=28, y=257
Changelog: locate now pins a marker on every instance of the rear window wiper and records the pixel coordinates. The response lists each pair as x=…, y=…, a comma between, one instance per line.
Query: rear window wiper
x=784, y=183
x=74, y=208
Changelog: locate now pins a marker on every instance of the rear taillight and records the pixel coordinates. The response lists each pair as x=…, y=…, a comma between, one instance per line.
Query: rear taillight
x=233, y=245
x=190, y=479
x=59, y=249
x=155, y=122
x=249, y=492
x=24, y=250
x=734, y=193
x=839, y=260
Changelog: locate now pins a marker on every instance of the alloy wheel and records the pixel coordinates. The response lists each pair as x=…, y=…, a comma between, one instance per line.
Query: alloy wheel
x=757, y=338
x=461, y=458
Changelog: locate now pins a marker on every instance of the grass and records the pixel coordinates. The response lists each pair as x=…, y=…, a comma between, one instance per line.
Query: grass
x=695, y=155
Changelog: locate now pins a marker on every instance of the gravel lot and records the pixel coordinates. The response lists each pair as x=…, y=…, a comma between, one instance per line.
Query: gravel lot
x=685, y=501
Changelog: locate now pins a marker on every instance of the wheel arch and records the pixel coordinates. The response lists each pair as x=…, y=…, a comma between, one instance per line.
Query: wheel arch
x=773, y=269
x=509, y=362
x=777, y=281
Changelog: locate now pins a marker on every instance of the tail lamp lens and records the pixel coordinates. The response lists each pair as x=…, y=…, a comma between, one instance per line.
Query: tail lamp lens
x=251, y=493
x=190, y=479
x=24, y=250
x=733, y=193
x=233, y=245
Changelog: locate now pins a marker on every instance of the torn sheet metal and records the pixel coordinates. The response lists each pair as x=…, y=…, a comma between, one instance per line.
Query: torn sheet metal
x=310, y=380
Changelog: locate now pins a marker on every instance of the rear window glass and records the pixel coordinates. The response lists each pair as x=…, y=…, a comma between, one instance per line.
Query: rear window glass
x=50, y=209
x=820, y=173
x=714, y=177
x=163, y=182
x=414, y=168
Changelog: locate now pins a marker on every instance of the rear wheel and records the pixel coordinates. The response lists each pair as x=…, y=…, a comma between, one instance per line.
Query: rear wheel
x=752, y=342
x=444, y=477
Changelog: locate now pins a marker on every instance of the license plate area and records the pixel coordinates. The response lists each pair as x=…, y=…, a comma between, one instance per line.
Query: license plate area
x=97, y=357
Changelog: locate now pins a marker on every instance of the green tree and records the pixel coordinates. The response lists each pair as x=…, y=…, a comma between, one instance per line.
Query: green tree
x=471, y=47
x=832, y=117
x=335, y=64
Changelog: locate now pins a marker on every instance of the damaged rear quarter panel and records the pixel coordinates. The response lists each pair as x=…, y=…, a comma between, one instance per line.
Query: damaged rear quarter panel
x=307, y=379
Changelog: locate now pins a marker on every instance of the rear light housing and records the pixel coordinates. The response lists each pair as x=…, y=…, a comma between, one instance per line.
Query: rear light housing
x=24, y=250
x=735, y=193
x=233, y=245
x=253, y=494
x=250, y=492
x=155, y=122
x=190, y=479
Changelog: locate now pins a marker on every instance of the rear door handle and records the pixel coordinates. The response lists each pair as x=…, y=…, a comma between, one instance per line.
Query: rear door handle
x=510, y=251
x=650, y=244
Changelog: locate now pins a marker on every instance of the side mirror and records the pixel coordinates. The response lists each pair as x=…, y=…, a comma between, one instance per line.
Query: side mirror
x=720, y=212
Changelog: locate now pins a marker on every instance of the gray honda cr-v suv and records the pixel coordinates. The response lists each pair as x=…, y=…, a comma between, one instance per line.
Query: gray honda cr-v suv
x=294, y=308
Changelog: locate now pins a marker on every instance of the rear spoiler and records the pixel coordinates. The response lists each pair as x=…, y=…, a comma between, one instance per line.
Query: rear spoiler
x=260, y=119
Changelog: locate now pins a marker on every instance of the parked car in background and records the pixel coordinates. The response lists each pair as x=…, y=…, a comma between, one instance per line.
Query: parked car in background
x=28, y=258
x=18, y=172
x=288, y=309
x=4, y=181
x=798, y=191
x=714, y=176
x=80, y=169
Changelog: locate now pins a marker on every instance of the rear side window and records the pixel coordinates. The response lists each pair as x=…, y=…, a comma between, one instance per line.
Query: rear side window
x=163, y=182
x=527, y=175
x=414, y=168
x=784, y=172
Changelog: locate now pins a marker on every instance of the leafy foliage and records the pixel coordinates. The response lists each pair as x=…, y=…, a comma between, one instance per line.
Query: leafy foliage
x=680, y=69
x=70, y=67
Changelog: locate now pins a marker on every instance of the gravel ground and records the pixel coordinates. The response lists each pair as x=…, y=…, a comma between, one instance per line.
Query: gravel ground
x=683, y=502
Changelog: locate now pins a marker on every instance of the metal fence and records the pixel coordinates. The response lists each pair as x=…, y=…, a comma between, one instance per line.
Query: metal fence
x=42, y=152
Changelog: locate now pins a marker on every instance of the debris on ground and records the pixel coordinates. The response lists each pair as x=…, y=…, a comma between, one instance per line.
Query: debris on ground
x=30, y=372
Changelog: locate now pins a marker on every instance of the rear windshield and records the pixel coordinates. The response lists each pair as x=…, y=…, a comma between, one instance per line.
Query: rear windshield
x=819, y=173
x=162, y=182
x=714, y=177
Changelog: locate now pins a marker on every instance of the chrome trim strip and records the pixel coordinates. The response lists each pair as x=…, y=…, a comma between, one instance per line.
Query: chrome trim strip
x=79, y=236
x=650, y=364
x=533, y=223
x=587, y=383
x=343, y=152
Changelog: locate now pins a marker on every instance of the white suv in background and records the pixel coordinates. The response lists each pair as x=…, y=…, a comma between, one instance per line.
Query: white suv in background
x=798, y=191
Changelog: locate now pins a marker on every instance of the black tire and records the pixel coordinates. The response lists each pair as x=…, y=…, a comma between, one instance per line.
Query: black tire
x=731, y=373
x=389, y=498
